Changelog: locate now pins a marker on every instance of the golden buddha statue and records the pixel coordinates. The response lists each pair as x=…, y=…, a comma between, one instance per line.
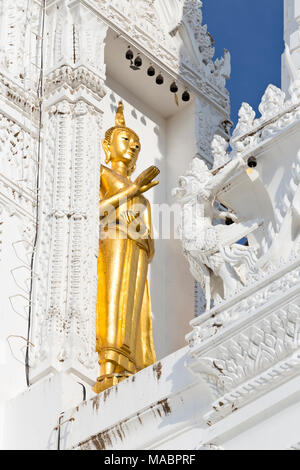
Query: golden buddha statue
x=124, y=318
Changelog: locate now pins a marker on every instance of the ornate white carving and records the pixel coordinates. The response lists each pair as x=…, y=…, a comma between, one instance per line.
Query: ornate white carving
x=64, y=291
x=223, y=66
x=291, y=75
x=20, y=29
x=171, y=13
x=74, y=37
x=1, y=230
x=277, y=115
x=280, y=120
x=249, y=344
x=18, y=151
x=24, y=100
x=295, y=446
x=246, y=119
x=212, y=252
x=73, y=78
x=208, y=447
x=290, y=62
x=256, y=356
x=68, y=246
x=65, y=270
x=149, y=24
x=219, y=148
x=261, y=132
x=272, y=102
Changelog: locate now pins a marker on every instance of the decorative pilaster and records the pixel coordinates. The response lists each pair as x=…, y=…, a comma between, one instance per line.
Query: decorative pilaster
x=20, y=39
x=209, y=121
x=65, y=287
x=291, y=56
x=19, y=150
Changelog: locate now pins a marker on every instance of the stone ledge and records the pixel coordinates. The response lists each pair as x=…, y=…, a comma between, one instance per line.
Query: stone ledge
x=252, y=348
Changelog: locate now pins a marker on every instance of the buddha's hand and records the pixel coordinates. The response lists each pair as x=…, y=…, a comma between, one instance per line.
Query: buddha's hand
x=144, y=182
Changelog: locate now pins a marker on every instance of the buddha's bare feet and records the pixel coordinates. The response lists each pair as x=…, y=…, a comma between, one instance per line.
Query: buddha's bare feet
x=145, y=180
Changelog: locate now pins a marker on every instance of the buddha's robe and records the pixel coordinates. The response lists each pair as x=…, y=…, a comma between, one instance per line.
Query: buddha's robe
x=124, y=318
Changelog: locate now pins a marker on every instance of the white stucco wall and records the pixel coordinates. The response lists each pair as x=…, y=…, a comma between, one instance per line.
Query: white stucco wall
x=15, y=282
x=15, y=279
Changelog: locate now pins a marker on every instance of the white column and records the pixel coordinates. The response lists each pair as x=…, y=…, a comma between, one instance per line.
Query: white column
x=64, y=299
x=20, y=28
x=291, y=56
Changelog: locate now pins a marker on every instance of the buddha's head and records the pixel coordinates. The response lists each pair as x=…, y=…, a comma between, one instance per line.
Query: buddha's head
x=122, y=144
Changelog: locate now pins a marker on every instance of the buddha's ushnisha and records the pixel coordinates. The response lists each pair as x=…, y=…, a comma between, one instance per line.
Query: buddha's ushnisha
x=124, y=318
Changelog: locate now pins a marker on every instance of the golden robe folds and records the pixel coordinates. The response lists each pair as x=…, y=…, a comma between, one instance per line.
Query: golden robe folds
x=124, y=318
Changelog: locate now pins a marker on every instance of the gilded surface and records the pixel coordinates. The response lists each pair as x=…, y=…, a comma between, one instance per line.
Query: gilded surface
x=124, y=319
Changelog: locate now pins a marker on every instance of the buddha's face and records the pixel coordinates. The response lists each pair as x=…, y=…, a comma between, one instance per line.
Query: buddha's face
x=124, y=147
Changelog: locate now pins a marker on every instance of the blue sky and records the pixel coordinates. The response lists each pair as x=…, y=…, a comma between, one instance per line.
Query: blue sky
x=253, y=33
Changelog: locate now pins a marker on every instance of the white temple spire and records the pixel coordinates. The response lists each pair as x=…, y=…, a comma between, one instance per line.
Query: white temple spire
x=291, y=56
